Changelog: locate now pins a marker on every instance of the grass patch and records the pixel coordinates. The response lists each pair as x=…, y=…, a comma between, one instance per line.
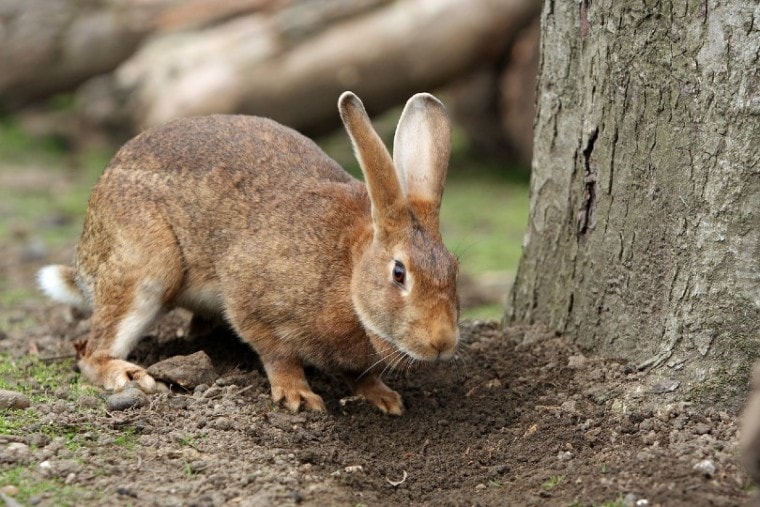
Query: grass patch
x=484, y=312
x=43, y=187
x=31, y=487
x=40, y=380
x=127, y=439
x=552, y=482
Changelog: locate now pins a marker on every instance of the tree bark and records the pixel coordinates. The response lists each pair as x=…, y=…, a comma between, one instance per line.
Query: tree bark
x=259, y=66
x=644, y=232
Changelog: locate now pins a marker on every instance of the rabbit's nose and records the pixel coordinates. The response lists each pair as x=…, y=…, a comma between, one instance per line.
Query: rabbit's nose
x=445, y=342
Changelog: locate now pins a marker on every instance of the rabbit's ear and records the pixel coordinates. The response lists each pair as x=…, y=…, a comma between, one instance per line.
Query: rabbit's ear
x=421, y=154
x=389, y=208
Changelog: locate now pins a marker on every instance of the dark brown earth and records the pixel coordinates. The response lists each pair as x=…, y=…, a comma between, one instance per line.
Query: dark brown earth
x=520, y=418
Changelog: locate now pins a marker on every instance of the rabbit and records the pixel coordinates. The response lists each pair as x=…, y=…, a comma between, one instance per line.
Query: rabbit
x=242, y=218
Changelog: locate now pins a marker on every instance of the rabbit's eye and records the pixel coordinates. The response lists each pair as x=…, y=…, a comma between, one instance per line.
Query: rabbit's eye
x=399, y=273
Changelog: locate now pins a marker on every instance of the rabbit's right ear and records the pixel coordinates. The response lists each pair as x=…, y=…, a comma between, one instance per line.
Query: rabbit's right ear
x=389, y=208
x=421, y=154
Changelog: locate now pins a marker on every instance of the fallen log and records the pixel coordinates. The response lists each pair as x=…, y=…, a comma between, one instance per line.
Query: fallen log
x=51, y=46
x=261, y=65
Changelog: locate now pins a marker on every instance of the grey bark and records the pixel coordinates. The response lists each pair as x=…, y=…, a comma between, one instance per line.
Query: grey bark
x=256, y=65
x=644, y=233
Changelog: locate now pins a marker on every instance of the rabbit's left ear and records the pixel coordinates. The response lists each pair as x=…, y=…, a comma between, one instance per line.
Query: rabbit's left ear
x=421, y=154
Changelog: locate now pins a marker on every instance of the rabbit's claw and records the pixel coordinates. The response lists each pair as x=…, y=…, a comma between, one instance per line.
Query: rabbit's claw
x=376, y=392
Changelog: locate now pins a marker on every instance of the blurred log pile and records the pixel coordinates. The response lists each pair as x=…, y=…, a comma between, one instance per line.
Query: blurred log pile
x=137, y=63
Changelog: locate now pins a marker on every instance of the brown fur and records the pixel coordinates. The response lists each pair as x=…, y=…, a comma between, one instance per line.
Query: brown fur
x=242, y=217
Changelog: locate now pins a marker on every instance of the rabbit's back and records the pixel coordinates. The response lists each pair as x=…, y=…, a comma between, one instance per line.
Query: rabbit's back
x=243, y=198
x=255, y=146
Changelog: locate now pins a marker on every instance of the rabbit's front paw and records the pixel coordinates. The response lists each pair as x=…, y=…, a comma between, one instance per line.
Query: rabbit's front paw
x=376, y=392
x=115, y=374
x=295, y=396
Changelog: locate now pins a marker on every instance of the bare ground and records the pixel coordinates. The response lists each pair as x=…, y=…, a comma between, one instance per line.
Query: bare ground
x=522, y=418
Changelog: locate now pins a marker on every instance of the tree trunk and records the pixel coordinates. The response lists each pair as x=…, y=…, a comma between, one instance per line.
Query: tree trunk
x=644, y=233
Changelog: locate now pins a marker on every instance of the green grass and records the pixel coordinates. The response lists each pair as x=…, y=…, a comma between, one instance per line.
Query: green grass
x=58, y=184
x=552, y=482
x=40, y=379
x=127, y=439
x=54, y=492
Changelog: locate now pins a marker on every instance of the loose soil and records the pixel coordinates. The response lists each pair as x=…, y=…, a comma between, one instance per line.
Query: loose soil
x=521, y=417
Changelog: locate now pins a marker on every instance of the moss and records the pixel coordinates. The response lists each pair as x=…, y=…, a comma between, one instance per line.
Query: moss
x=729, y=382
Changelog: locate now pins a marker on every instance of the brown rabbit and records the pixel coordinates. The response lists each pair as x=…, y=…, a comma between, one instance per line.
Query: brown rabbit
x=244, y=218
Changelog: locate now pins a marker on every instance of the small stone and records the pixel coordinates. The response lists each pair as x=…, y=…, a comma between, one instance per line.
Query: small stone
x=480, y=487
x=222, y=423
x=705, y=467
x=10, y=490
x=87, y=401
x=186, y=372
x=39, y=440
x=198, y=466
x=576, y=362
x=212, y=392
x=667, y=385
x=569, y=406
x=123, y=491
x=565, y=456
x=128, y=398
x=630, y=499
x=702, y=428
x=679, y=422
x=15, y=451
x=13, y=400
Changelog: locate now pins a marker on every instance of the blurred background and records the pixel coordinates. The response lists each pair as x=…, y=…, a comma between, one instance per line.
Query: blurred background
x=80, y=77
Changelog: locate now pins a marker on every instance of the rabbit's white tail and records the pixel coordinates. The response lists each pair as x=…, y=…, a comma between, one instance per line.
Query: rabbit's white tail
x=58, y=283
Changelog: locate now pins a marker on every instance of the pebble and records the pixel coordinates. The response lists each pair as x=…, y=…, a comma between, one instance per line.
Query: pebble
x=667, y=385
x=702, y=428
x=576, y=362
x=185, y=371
x=706, y=467
x=130, y=397
x=87, y=401
x=565, y=456
x=212, y=392
x=222, y=423
x=10, y=490
x=15, y=451
x=13, y=400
